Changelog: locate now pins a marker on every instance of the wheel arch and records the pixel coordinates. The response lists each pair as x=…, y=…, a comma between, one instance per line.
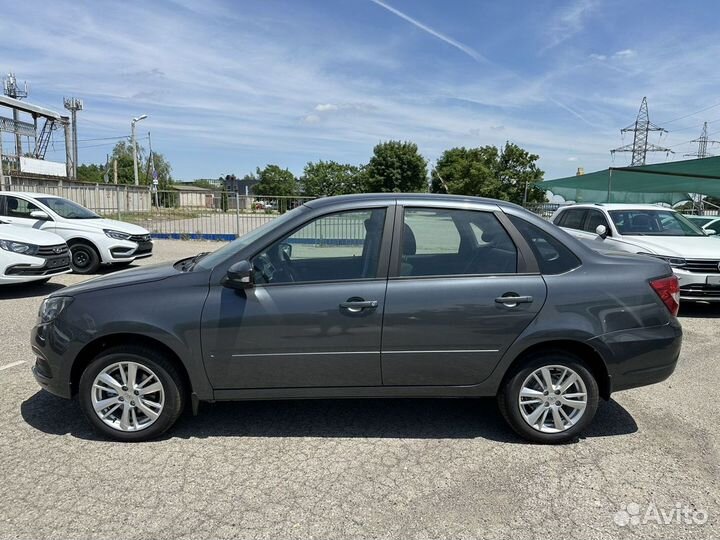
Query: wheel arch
x=97, y=346
x=585, y=352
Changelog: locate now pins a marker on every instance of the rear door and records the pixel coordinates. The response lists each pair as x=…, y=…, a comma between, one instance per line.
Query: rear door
x=463, y=285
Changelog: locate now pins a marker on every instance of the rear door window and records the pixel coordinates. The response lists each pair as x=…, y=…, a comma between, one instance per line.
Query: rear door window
x=574, y=218
x=552, y=256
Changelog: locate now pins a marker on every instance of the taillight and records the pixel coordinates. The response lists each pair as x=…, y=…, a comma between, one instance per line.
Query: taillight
x=668, y=289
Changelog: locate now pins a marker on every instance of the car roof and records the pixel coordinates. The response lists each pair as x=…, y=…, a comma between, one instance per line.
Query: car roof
x=392, y=197
x=30, y=194
x=618, y=206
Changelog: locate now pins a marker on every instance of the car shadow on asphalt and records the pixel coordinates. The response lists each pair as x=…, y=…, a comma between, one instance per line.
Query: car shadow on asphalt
x=28, y=290
x=341, y=418
x=699, y=310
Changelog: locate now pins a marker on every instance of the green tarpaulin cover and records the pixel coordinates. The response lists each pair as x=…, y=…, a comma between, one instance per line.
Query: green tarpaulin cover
x=661, y=182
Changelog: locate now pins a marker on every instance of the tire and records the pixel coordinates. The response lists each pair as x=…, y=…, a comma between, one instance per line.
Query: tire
x=84, y=258
x=561, y=366
x=138, y=426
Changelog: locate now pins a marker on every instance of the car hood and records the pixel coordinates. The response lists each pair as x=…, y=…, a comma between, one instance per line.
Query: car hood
x=133, y=276
x=29, y=235
x=688, y=247
x=102, y=223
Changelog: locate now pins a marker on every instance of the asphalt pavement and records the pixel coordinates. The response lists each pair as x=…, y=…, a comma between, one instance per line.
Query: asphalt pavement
x=649, y=467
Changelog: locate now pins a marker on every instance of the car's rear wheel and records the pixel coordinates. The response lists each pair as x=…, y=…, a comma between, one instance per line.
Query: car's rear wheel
x=84, y=259
x=551, y=398
x=131, y=393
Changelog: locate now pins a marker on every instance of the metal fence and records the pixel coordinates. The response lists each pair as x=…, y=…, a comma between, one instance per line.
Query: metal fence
x=178, y=213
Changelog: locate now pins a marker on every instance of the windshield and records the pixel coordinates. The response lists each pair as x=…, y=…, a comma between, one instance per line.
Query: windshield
x=67, y=209
x=209, y=261
x=653, y=223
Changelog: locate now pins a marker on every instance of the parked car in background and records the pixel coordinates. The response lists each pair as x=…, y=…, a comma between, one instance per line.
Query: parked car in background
x=650, y=230
x=92, y=239
x=380, y=295
x=29, y=255
x=709, y=224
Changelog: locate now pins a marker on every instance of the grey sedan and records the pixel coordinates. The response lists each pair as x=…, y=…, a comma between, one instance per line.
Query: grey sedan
x=384, y=295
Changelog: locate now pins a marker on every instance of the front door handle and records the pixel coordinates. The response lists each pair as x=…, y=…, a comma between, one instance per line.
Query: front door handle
x=355, y=306
x=513, y=300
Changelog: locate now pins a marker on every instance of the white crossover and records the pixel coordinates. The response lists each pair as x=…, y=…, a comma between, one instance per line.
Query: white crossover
x=693, y=253
x=30, y=255
x=92, y=239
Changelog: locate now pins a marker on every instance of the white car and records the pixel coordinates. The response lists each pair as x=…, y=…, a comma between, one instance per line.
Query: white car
x=93, y=240
x=706, y=223
x=651, y=230
x=31, y=255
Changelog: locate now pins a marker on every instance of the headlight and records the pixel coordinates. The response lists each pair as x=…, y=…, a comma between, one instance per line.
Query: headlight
x=18, y=247
x=117, y=235
x=51, y=307
x=672, y=261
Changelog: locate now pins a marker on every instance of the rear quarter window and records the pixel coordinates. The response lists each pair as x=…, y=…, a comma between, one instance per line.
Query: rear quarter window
x=552, y=256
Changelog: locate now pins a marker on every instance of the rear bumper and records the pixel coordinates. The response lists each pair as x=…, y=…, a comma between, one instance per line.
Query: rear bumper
x=641, y=356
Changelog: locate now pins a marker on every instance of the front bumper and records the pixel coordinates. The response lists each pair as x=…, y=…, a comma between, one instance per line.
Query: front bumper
x=31, y=268
x=128, y=250
x=54, y=351
x=694, y=286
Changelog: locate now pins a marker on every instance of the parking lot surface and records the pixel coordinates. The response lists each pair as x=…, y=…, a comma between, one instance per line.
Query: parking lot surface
x=360, y=469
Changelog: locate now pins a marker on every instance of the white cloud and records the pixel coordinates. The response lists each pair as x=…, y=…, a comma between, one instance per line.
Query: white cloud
x=599, y=57
x=625, y=53
x=311, y=119
x=325, y=107
x=569, y=21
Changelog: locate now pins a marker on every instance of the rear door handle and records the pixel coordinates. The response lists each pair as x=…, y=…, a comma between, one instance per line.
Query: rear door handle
x=358, y=305
x=513, y=300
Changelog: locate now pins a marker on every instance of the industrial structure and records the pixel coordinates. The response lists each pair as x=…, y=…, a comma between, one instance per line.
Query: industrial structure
x=37, y=132
x=640, y=129
x=702, y=142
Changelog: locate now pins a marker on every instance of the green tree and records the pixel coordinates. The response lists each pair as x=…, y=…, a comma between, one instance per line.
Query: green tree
x=274, y=181
x=91, y=173
x=327, y=178
x=123, y=154
x=489, y=172
x=396, y=167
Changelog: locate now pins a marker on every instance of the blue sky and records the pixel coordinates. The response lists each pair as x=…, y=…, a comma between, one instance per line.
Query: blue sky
x=232, y=85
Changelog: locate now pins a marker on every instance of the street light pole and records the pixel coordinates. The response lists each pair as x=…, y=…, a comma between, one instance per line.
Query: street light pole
x=134, y=145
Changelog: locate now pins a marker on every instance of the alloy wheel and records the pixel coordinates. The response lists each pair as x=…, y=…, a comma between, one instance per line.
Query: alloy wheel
x=128, y=396
x=552, y=399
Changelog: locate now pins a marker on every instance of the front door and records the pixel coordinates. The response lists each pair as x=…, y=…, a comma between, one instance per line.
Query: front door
x=314, y=316
x=16, y=210
x=450, y=313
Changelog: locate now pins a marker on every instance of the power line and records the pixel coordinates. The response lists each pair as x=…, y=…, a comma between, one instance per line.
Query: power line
x=691, y=114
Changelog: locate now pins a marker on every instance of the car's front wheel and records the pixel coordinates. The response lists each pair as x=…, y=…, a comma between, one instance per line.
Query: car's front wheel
x=84, y=259
x=551, y=398
x=131, y=393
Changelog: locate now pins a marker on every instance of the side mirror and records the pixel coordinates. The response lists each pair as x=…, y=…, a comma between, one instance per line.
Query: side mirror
x=39, y=214
x=709, y=232
x=601, y=231
x=240, y=276
x=286, y=250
